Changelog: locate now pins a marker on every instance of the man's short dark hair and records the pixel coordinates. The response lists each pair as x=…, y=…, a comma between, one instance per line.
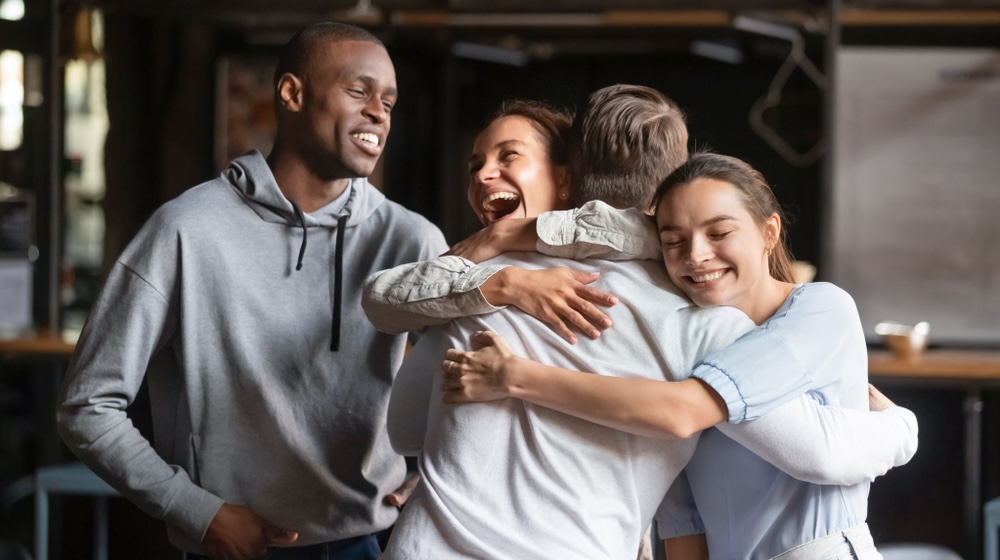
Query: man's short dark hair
x=303, y=45
x=629, y=139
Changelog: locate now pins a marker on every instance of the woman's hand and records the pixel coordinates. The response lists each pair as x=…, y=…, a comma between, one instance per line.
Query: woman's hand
x=554, y=296
x=516, y=234
x=480, y=375
x=877, y=402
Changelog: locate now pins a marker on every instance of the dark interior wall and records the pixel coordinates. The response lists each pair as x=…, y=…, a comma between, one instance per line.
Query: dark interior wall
x=160, y=91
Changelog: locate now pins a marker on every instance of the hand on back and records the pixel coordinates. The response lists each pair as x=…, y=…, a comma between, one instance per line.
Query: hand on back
x=479, y=375
x=559, y=297
x=877, y=402
x=237, y=533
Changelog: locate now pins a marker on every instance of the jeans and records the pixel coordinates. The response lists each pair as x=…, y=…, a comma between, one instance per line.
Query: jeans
x=855, y=543
x=365, y=547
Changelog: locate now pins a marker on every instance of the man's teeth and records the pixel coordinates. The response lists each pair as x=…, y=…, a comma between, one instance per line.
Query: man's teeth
x=488, y=201
x=709, y=276
x=367, y=138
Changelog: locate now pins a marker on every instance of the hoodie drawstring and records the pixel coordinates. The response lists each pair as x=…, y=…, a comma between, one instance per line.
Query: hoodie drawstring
x=302, y=222
x=338, y=265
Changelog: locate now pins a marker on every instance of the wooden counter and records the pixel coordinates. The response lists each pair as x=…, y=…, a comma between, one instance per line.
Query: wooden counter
x=39, y=344
x=939, y=365
x=971, y=371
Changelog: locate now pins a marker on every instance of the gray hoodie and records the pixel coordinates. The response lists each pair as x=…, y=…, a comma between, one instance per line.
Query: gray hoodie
x=268, y=384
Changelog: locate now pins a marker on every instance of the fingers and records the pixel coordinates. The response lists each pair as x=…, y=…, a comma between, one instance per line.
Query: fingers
x=402, y=494
x=451, y=369
x=488, y=338
x=277, y=536
x=584, y=277
x=877, y=401
x=600, y=297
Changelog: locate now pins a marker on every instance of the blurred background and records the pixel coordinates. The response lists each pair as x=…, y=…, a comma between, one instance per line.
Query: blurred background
x=876, y=121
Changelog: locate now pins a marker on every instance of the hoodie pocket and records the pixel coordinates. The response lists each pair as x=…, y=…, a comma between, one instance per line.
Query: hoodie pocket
x=191, y=464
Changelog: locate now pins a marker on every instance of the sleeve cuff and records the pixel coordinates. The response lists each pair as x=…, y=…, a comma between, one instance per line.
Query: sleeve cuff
x=678, y=528
x=196, y=508
x=727, y=389
x=755, y=375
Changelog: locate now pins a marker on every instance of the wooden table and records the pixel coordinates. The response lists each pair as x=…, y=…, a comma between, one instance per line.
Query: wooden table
x=41, y=344
x=972, y=370
x=48, y=352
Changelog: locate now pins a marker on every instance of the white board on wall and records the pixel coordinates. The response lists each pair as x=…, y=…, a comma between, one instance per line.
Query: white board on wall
x=914, y=229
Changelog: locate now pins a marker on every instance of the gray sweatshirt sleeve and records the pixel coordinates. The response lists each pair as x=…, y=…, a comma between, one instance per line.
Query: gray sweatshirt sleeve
x=129, y=324
x=414, y=296
x=829, y=445
x=597, y=230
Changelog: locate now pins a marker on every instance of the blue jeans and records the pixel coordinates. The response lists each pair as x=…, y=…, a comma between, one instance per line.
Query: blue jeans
x=364, y=547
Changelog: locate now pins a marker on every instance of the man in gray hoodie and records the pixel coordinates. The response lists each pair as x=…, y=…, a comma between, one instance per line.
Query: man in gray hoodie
x=239, y=302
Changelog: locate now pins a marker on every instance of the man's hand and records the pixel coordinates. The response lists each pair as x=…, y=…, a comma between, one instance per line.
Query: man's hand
x=237, y=533
x=515, y=234
x=399, y=497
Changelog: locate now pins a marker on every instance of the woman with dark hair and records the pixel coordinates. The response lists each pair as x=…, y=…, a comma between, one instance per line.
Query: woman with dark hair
x=520, y=168
x=720, y=228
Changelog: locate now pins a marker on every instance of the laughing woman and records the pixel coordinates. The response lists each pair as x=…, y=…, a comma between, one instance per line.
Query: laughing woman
x=720, y=229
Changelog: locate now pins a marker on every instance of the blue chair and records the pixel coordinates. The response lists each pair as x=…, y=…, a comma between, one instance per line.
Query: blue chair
x=991, y=523
x=71, y=478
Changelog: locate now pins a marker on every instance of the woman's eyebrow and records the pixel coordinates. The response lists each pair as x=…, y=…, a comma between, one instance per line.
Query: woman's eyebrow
x=708, y=222
x=508, y=143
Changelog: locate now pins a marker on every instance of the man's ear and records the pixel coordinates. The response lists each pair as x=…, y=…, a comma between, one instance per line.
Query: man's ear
x=290, y=92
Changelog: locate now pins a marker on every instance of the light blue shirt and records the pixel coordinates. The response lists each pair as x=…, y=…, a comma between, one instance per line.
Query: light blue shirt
x=749, y=508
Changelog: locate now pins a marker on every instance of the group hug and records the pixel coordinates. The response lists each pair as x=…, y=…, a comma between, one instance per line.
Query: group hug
x=622, y=346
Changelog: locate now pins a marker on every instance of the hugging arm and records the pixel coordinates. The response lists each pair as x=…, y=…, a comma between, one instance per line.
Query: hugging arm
x=597, y=230
x=412, y=390
x=414, y=296
x=646, y=407
x=819, y=444
x=828, y=444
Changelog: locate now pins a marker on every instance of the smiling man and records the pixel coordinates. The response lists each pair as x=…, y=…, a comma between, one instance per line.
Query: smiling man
x=239, y=302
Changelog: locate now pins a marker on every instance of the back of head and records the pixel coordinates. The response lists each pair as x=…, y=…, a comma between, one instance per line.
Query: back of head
x=300, y=50
x=630, y=138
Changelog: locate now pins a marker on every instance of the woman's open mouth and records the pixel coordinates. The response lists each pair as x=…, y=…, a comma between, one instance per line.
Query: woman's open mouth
x=499, y=205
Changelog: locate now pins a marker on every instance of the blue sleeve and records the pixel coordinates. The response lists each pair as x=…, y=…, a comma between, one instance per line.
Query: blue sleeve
x=677, y=515
x=779, y=360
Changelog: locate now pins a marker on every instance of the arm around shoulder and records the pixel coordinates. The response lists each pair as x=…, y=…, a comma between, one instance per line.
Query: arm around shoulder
x=830, y=445
x=597, y=230
x=414, y=296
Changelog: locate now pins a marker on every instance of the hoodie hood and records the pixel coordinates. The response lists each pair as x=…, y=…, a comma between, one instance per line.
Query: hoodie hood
x=252, y=178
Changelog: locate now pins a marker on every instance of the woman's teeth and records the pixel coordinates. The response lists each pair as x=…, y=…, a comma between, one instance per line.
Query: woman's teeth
x=709, y=276
x=489, y=200
x=367, y=138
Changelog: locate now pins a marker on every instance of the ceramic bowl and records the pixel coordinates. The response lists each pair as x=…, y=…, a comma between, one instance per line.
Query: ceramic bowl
x=905, y=341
